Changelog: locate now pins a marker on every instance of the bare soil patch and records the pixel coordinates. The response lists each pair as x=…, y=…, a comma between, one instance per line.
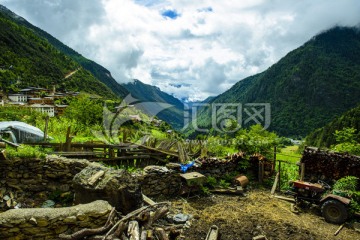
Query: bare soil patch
x=257, y=213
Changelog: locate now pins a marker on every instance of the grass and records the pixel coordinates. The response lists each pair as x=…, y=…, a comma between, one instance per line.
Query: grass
x=289, y=171
x=25, y=151
x=289, y=154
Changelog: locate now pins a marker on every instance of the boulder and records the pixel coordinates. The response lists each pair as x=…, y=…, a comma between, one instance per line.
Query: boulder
x=117, y=187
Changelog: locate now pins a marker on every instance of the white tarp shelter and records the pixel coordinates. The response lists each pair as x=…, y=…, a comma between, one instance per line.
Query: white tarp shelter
x=21, y=132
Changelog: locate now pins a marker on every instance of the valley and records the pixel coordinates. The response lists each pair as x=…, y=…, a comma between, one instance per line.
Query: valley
x=73, y=135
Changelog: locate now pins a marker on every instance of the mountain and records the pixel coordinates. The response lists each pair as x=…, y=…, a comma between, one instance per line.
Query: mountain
x=97, y=70
x=324, y=137
x=308, y=87
x=148, y=93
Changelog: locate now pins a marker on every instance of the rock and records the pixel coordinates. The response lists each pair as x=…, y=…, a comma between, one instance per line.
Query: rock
x=117, y=187
x=70, y=219
x=48, y=204
x=157, y=169
x=180, y=218
x=61, y=229
x=42, y=222
x=33, y=221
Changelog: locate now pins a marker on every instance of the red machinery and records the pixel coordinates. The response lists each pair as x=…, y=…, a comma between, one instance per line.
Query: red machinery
x=334, y=208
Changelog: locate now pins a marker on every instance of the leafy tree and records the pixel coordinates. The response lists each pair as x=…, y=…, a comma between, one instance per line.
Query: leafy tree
x=256, y=140
x=85, y=111
x=346, y=141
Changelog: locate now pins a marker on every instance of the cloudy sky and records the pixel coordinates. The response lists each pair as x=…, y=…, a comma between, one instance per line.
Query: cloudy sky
x=190, y=48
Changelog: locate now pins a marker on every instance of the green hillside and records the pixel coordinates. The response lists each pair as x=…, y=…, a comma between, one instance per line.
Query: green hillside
x=324, y=137
x=308, y=87
x=147, y=93
x=97, y=70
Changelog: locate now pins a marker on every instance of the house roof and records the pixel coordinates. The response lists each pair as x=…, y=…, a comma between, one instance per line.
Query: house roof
x=37, y=105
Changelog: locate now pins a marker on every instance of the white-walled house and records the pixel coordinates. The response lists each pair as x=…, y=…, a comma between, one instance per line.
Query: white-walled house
x=44, y=108
x=17, y=97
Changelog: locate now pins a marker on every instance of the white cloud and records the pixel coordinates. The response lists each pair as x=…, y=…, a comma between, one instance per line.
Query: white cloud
x=207, y=47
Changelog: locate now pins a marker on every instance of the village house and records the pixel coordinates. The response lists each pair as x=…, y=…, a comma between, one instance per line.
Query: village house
x=18, y=98
x=59, y=109
x=34, y=91
x=44, y=108
x=44, y=100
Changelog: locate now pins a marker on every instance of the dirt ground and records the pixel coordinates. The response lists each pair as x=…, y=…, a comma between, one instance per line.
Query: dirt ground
x=255, y=214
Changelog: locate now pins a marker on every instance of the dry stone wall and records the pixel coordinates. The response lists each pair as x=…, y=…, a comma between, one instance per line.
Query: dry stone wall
x=157, y=180
x=38, y=178
x=48, y=223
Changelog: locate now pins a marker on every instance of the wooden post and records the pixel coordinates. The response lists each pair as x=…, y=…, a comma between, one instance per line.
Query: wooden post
x=279, y=175
x=111, y=152
x=302, y=173
x=275, y=184
x=68, y=140
x=260, y=173
x=46, y=128
x=274, y=158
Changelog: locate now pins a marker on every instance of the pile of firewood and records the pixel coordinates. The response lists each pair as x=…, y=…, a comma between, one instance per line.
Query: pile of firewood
x=141, y=224
x=329, y=165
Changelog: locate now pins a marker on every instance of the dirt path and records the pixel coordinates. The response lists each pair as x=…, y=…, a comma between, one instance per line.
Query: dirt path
x=258, y=213
x=71, y=73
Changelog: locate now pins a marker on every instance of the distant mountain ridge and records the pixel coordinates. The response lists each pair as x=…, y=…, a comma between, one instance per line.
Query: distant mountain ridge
x=27, y=59
x=308, y=87
x=149, y=93
x=97, y=70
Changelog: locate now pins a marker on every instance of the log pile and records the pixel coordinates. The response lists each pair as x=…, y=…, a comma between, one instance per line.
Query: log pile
x=141, y=224
x=321, y=164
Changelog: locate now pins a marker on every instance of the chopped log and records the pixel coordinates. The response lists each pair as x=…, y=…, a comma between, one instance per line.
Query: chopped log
x=143, y=235
x=95, y=177
x=147, y=200
x=134, y=214
x=120, y=229
x=159, y=213
x=134, y=230
x=161, y=234
x=285, y=198
x=328, y=165
x=339, y=229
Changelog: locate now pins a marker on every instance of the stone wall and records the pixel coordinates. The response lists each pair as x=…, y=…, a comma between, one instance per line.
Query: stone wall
x=38, y=178
x=48, y=223
x=156, y=180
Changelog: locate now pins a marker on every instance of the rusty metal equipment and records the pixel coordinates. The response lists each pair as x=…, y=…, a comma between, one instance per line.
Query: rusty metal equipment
x=242, y=181
x=334, y=208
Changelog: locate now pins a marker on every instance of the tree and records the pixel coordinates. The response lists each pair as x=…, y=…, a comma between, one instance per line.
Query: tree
x=85, y=111
x=346, y=140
